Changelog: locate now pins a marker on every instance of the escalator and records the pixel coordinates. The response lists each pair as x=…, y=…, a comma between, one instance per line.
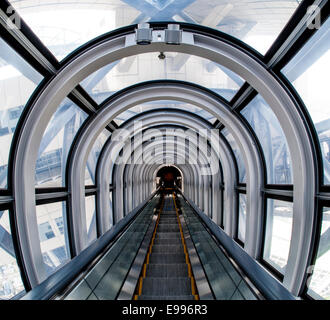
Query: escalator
x=167, y=271
x=165, y=249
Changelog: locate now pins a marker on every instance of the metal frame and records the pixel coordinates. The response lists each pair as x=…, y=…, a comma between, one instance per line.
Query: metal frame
x=297, y=17
x=106, y=160
x=218, y=51
x=174, y=116
x=148, y=92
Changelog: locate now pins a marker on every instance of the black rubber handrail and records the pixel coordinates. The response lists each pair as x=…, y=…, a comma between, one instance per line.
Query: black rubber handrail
x=269, y=286
x=62, y=278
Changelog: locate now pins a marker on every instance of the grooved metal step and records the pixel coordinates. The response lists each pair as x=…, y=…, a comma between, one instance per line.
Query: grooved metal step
x=172, y=286
x=168, y=228
x=167, y=235
x=146, y=297
x=167, y=258
x=167, y=241
x=171, y=248
x=167, y=270
x=167, y=276
x=168, y=221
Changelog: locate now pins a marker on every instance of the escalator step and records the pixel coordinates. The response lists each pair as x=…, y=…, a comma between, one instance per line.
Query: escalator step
x=158, y=248
x=168, y=287
x=167, y=258
x=167, y=241
x=168, y=220
x=146, y=297
x=168, y=228
x=167, y=235
x=167, y=270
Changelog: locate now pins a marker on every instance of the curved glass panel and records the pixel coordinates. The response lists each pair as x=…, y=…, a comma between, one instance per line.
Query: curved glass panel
x=55, y=144
x=10, y=278
x=154, y=105
x=65, y=25
x=308, y=71
x=238, y=155
x=272, y=139
x=319, y=282
x=53, y=235
x=90, y=218
x=242, y=217
x=278, y=233
x=176, y=66
x=93, y=157
x=17, y=82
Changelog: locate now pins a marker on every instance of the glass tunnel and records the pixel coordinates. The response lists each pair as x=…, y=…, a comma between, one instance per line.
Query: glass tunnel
x=162, y=149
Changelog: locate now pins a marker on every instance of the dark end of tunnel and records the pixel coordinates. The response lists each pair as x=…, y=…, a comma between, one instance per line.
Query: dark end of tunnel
x=169, y=177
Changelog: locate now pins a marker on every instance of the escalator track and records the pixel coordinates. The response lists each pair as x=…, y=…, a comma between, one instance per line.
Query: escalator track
x=167, y=274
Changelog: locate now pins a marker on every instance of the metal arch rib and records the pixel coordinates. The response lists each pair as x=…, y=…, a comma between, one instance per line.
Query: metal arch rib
x=171, y=116
x=141, y=153
x=186, y=93
x=218, y=51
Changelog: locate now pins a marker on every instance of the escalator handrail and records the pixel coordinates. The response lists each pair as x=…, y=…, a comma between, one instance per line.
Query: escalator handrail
x=63, y=277
x=269, y=287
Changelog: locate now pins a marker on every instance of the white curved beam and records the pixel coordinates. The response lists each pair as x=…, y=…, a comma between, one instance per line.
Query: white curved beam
x=283, y=105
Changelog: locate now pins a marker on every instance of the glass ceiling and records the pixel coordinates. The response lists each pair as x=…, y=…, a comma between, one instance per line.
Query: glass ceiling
x=176, y=66
x=65, y=25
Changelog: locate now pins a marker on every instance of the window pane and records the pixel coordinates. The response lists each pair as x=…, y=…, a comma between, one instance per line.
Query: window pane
x=278, y=233
x=53, y=235
x=176, y=66
x=256, y=22
x=272, y=139
x=308, y=71
x=90, y=218
x=242, y=217
x=55, y=144
x=10, y=278
x=65, y=25
x=238, y=155
x=319, y=284
x=111, y=206
x=17, y=82
x=93, y=157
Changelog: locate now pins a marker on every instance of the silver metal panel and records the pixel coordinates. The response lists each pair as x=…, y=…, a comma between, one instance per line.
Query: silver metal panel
x=128, y=288
x=203, y=287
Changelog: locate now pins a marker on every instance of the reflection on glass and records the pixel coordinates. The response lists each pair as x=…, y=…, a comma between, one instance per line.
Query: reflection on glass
x=238, y=155
x=278, y=233
x=319, y=282
x=176, y=66
x=242, y=217
x=55, y=144
x=168, y=104
x=65, y=25
x=272, y=139
x=10, y=277
x=90, y=218
x=111, y=206
x=17, y=82
x=53, y=235
x=93, y=157
x=308, y=71
x=256, y=22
